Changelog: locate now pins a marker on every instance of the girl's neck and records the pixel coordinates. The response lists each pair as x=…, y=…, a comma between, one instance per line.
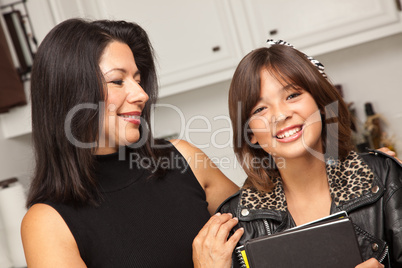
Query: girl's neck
x=306, y=189
x=304, y=172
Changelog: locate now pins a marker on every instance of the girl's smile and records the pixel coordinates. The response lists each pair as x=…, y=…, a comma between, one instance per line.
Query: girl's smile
x=289, y=134
x=286, y=120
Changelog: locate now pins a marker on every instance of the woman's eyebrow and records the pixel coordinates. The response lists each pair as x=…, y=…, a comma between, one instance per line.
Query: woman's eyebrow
x=122, y=70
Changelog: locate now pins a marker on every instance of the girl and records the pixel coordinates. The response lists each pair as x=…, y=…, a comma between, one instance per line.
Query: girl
x=292, y=135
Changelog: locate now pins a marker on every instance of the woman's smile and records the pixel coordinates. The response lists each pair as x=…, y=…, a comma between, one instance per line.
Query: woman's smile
x=131, y=117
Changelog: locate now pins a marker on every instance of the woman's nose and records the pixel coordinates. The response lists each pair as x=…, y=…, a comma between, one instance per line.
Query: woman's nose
x=137, y=94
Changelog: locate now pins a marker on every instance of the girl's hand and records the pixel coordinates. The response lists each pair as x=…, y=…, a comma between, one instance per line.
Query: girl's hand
x=370, y=263
x=211, y=247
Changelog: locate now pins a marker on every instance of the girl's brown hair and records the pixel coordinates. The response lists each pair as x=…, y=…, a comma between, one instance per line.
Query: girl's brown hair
x=291, y=66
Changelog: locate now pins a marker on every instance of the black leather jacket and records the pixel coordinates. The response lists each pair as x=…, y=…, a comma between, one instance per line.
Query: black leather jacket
x=367, y=186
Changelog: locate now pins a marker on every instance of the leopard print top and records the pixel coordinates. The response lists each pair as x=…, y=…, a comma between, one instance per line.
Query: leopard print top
x=347, y=180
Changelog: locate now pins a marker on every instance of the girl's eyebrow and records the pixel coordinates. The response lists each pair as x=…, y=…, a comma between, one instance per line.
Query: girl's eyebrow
x=285, y=88
x=288, y=86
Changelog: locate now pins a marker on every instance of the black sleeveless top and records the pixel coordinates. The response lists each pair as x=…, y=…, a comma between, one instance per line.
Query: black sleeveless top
x=142, y=221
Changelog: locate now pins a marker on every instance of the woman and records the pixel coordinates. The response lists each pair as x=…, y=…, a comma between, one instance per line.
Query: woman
x=293, y=139
x=104, y=193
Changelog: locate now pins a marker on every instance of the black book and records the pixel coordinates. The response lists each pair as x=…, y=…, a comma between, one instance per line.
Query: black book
x=329, y=242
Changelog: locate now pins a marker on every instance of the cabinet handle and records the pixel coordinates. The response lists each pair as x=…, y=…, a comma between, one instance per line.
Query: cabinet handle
x=216, y=48
x=6, y=183
x=273, y=32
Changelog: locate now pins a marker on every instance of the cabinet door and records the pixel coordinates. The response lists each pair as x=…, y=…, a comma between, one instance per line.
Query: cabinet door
x=311, y=22
x=66, y=9
x=195, y=41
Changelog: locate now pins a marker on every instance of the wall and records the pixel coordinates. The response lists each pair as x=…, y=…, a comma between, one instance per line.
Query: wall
x=371, y=72
x=16, y=158
x=202, y=118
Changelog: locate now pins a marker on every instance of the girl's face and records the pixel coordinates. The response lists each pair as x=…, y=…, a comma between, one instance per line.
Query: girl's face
x=125, y=98
x=286, y=121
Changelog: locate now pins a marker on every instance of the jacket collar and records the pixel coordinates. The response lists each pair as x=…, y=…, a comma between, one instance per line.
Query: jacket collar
x=350, y=182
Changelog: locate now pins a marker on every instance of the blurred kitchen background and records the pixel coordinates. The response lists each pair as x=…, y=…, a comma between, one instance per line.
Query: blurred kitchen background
x=198, y=44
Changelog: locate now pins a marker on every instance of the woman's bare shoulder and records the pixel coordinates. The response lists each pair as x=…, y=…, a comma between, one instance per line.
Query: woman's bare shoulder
x=47, y=240
x=216, y=185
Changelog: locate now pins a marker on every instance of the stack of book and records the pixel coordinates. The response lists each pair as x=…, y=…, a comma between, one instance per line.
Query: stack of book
x=328, y=242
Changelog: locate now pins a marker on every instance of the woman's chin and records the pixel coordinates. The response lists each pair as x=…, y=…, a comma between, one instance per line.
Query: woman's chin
x=130, y=138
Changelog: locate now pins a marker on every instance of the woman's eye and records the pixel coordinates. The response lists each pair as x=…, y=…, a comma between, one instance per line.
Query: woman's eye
x=258, y=110
x=117, y=82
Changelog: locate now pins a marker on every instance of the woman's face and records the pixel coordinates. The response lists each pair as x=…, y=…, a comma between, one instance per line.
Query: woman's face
x=125, y=98
x=286, y=121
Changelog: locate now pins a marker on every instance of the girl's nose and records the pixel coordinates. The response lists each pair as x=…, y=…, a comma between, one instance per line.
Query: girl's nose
x=281, y=113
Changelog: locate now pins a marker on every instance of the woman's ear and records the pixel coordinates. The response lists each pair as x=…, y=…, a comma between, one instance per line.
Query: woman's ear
x=253, y=140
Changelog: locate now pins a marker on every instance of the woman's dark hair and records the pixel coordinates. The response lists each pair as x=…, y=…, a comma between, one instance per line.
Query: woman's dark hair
x=66, y=80
x=289, y=66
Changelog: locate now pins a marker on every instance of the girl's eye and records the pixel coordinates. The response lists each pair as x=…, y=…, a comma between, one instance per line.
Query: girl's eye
x=292, y=96
x=258, y=110
x=117, y=82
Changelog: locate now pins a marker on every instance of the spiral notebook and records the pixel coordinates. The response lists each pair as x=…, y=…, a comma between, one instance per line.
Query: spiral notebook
x=329, y=243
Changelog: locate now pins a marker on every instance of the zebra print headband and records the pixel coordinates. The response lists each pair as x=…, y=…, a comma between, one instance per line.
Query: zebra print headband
x=315, y=62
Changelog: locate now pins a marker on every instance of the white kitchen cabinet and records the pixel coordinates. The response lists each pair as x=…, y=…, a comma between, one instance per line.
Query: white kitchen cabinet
x=195, y=41
x=200, y=42
x=317, y=26
x=66, y=9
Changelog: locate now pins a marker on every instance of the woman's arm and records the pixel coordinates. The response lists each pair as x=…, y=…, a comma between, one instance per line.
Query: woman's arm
x=47, y=240
x=389, y=152
x=216, y=185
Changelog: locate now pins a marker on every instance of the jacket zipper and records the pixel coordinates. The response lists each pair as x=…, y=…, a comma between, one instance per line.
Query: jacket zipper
x=384, y=254
x=266, y=225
